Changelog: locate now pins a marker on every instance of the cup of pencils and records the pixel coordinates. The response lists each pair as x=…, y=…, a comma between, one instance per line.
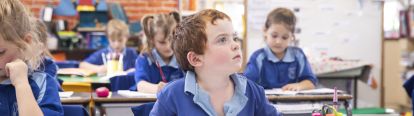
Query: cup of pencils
x=114, y=63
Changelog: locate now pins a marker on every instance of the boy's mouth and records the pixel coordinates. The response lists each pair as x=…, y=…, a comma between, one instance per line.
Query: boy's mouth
x=237, y=57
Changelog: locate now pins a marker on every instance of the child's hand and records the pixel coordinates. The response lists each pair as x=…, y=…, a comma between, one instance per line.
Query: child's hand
x=102, y=69
x=292, y=87
x=160, y=86
x=17, y=71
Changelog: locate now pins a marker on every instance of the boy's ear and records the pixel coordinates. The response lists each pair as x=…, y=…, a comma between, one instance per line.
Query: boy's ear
x=194, y=59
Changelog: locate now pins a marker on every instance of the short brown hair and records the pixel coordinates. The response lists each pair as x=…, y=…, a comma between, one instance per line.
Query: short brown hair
x=190, y=35
x=281, y=16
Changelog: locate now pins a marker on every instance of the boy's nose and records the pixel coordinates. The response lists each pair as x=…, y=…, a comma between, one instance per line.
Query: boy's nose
x=236, y=46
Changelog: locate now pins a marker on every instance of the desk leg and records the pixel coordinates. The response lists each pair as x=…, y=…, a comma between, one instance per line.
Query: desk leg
x=347, y=109
x=355, y=92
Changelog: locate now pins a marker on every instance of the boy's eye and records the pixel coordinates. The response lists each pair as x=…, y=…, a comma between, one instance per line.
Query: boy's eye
x=274, y=36
x=285, y=37
x=2, y=52
x=222, y=40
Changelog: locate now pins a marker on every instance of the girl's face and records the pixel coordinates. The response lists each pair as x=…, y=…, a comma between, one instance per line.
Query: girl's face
x=8, y=52
x=162, y=45
x=278, y=37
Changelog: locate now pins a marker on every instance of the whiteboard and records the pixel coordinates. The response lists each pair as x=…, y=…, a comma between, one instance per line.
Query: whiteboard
x=350, y=29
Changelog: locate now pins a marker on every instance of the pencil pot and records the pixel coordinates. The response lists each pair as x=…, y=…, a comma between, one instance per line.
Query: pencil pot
x=113, y=63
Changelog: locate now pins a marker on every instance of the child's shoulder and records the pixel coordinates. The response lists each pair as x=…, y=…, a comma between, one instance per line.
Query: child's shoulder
x=295, y=49
x=249, y=83
x=174, y=88
x=258, y=53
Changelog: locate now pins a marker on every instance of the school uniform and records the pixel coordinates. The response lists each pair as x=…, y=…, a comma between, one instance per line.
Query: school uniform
x=271, y=72
x=148, y=70
x=44, y=90
x=49, y=67
x=129, y=57
x=184, y=97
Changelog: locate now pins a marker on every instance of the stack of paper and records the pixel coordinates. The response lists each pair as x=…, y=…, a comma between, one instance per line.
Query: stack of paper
x=320, y=91
x=128, y=93
x=296, y=108
x=65, y=94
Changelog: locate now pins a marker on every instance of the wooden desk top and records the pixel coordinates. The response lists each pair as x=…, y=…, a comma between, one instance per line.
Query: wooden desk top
x=342, y=97
x=116, y=98
x=85, y=97
x=77, y=98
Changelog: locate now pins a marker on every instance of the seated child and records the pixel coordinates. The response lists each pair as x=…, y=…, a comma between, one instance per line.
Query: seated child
x=24, y=89
x=157, y=65
x=118, y=33
x=277, y=65
x=207, y=48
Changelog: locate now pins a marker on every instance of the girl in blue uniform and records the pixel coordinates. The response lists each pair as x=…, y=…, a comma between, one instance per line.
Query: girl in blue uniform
x=207, y=48
x=157, y=65
x=279, y=65
x=24, y=89
x=118, y=34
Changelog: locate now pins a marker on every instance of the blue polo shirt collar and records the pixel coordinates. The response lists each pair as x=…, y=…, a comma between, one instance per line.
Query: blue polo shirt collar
x=173, y=63
x=289, y=55
x=202, y=99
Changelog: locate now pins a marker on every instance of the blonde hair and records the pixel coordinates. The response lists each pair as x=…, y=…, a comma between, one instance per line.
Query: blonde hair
x=117, y=28
x=16, y=26
x=158, y=22
x=41, y=32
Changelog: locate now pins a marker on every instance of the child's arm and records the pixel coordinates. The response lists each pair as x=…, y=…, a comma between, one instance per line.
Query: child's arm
x=307, y=80
x=146, y=87
x=303, y=85
x=92, y=67
x=142, y=77
x=17, y=71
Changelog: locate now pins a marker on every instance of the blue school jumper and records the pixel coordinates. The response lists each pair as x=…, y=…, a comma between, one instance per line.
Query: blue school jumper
x=184, y=97
x=44, y=90
x=49, y=67
x=147, y=69
x=271, y=72
x=130, y=55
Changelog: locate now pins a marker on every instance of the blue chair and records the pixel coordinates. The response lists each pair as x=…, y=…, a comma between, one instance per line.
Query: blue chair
x=74, y=110
x=124, y=82
x=143, y=110
x=409, y=88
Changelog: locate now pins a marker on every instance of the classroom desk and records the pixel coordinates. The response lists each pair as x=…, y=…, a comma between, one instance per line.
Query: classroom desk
x=350, y=75
x=345, y=98
x=82, y=84
x=78, y=98
x=115, y=104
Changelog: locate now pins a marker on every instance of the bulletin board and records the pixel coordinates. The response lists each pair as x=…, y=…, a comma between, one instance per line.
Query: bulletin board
x=350, y=29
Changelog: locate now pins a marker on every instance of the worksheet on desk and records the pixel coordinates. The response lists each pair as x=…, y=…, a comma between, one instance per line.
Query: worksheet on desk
x=319, y=91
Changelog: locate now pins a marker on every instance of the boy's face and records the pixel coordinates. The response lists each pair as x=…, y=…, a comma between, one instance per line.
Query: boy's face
x=118, y=43
x=278, y=37
x=163, y=45
x=8, y=52
x=222, y=52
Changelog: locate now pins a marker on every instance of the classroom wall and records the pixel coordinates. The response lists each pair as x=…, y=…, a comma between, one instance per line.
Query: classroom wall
x=349, y=29
x=135, y=9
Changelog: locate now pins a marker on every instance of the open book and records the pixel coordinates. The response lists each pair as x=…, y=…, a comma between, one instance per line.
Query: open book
x=75, y=71
x=319, y=91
